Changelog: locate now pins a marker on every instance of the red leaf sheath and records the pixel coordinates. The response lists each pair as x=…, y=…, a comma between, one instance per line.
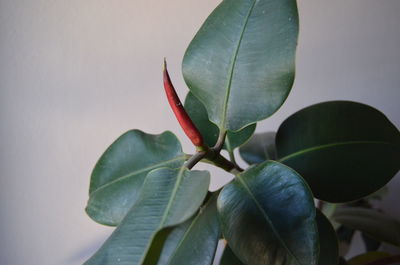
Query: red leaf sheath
x=180, y=113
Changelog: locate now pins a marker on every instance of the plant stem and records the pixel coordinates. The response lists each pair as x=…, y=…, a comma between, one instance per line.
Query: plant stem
x=220, y=142
x=232, y=158
x=194, y=159
x=211, y=157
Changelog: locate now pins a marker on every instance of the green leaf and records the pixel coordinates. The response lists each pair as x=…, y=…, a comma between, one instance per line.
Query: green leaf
x=119, y=174
x=267, y=216
x=373, y=223
x=209, y=130
x=198, y=242
x=229, y=258
x=241, y=62
x=260, y=148
x=329, y=247
x=367, y=258
x=345, y=150
x=168, y=197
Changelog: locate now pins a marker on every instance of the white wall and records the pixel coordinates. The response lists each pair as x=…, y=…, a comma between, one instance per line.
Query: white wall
x=74, y=75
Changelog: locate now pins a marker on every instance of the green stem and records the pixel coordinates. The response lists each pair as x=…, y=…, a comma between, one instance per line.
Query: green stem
x=220, y=142
x=232, y=158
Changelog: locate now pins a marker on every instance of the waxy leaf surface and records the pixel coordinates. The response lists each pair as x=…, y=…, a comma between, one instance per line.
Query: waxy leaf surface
x=195, y=241
x=168, y=197
x=267, y=216
x=120, y=172
x=241, y=64
x=209, y=130
x=373, y=223
x=260, y=148
x=345, y=150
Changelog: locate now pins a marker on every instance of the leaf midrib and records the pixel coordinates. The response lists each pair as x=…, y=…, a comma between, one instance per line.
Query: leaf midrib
x=247, y=188
x=232, y=67
x=136, y=172
x=195, y=220
x=319, y=147
x=164, y=217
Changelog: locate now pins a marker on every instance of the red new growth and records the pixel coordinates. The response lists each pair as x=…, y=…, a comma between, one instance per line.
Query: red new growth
x=180, y=113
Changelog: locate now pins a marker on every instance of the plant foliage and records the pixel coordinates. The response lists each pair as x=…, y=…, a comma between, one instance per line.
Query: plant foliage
x=239, y=69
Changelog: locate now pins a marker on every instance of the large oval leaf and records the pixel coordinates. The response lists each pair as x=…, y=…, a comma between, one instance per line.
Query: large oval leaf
x=329, y=246
x=119, y=174
x=260, y=148
x=209, y=130
x=377, y=225
x=241, y=62
x=168, y=197
x=345, y=150
x=268, y=217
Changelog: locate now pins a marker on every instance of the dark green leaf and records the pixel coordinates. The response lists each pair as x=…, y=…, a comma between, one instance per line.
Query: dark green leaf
x=209, y=130
x=168, y=197
x=367, y=258
x=241, y=62
x=119, y=174
x=345, y=150
x=198, y=243
x=329, y=248
x=260, y=148
x=229, y=258
x=267, y=216
x=377, y=225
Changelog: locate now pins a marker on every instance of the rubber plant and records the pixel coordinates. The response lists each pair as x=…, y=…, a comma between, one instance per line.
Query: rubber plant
x=240, y=68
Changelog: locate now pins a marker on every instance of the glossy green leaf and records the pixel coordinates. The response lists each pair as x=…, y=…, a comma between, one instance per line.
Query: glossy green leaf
x=367, y=258
x=329, y=247
x=229, y=258
x=267, y=216
x=344, y=150
x=376, y=224
x=119, y=174
x=198, y=243
x=241, y=62
x=168, y=197
x=260, y=148
x=209, y=130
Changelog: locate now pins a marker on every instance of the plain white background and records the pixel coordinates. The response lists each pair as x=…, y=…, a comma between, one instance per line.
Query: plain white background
x=74, y=75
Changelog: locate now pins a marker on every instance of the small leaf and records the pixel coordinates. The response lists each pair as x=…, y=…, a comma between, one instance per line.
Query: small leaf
x=260, y=148
x=267, y=216
x=168, y=197
x=377, y=225
x=241, y=62
x=120, y=172
x=209, y=130
x=329, y=247
x=229, y=258
x=344, y=150
x=367, y=258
